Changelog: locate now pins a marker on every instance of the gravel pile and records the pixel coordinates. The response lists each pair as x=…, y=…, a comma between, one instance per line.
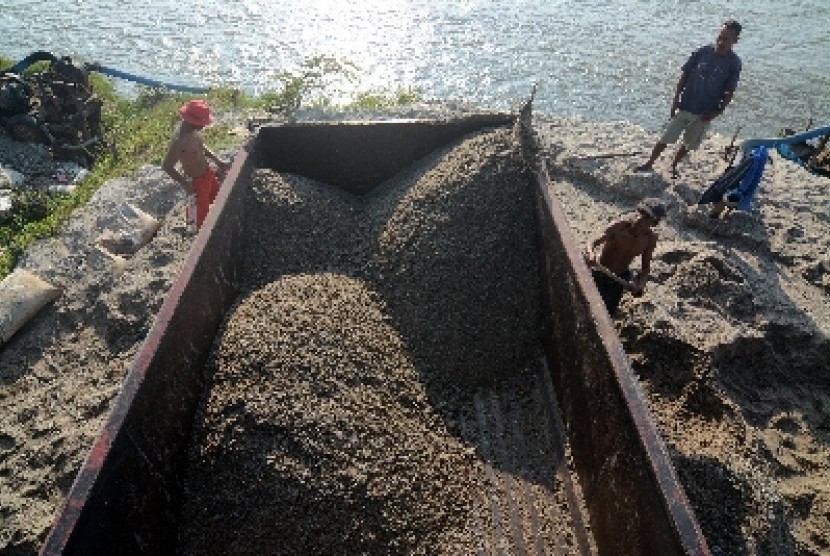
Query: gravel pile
x=341, y=377
x=448, y=243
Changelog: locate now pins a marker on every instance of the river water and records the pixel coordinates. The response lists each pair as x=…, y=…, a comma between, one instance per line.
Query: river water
x=602, y=60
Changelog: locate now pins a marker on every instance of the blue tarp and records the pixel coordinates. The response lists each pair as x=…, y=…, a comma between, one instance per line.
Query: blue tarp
x=738, y=184
x=745, y=191
x=750, y=144
x=794, y=148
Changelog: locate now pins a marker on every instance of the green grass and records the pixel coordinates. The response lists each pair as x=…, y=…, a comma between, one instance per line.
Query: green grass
x=138, y=131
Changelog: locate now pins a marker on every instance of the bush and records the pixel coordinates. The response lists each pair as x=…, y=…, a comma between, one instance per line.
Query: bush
x=316, y=75
x=379, y=100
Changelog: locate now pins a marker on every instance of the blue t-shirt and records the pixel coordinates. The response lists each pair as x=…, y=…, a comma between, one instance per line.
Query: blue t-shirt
x=710, y=76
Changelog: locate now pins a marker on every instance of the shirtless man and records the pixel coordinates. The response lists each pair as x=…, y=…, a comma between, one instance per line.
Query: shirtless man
x=188, y=149
x=622, y=242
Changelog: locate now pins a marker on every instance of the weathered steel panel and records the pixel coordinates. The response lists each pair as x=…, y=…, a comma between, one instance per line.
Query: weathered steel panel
x=126, y=497
x=636, y=503
x=357, y=156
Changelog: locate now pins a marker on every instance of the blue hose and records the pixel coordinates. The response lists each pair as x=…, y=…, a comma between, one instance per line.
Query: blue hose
x=39, y=56
x=145, y=81
x=42, y=55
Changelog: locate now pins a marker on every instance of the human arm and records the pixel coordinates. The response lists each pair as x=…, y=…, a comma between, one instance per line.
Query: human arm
x=221, y=164
x=645, y=267
x=590, y=249
x=727, y=98
x=820, y=154
x=678, y=90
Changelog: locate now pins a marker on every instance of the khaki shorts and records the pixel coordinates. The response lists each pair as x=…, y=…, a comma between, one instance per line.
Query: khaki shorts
x=690, y=125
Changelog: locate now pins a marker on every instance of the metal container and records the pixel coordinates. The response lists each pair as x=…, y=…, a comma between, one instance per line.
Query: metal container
x=126, y=497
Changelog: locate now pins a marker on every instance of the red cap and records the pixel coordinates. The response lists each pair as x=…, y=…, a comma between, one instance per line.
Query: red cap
x=196, y=112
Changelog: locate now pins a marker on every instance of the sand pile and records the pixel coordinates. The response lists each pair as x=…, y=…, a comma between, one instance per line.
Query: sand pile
x=731, y=339
x=60, y=373
x=324, y=404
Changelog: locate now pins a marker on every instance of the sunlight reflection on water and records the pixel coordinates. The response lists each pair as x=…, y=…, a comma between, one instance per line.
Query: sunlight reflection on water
x=601, y=60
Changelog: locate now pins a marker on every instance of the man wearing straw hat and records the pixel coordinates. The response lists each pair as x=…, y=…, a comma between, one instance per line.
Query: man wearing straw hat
x=188, y=149
x=622, y=242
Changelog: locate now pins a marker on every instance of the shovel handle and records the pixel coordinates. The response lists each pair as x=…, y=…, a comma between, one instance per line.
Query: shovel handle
x=611, y=274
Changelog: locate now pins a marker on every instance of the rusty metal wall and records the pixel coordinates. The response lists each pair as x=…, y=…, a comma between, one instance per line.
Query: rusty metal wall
x=360, y=155
x=635, y=501
x=125, y=497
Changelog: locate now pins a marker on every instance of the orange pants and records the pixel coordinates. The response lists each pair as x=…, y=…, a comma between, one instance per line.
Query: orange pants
x=206, y=187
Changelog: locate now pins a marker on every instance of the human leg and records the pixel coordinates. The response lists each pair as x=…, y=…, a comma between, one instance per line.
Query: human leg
x=609, y=290
x=693, y=135
x=671, y=133
x=655, y=154
x=678, y=156
x=717, y=208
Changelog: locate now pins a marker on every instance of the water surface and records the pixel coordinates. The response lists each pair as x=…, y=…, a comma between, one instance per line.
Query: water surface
x=598, y=59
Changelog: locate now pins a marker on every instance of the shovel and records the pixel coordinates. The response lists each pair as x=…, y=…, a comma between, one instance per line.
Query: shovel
x=609, y=273
x=586, y=156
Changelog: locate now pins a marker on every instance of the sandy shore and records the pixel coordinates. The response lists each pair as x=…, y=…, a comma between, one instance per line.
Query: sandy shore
x=730, y=340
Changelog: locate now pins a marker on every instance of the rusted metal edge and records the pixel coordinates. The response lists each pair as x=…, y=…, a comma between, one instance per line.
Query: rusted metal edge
x=60, y=537
x=676, y=504
x=487, y=118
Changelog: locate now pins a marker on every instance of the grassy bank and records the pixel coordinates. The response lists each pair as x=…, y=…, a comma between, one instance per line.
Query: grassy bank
x=138, y=130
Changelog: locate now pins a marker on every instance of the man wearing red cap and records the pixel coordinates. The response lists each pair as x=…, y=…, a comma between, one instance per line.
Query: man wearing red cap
x=188, y=149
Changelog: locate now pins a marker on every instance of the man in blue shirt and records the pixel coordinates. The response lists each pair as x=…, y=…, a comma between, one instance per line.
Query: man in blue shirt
x=706, y=85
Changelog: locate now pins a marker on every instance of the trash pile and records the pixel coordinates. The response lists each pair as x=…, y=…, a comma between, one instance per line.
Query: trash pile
x=28, y=171
x=55, y=107
x=51, y=128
